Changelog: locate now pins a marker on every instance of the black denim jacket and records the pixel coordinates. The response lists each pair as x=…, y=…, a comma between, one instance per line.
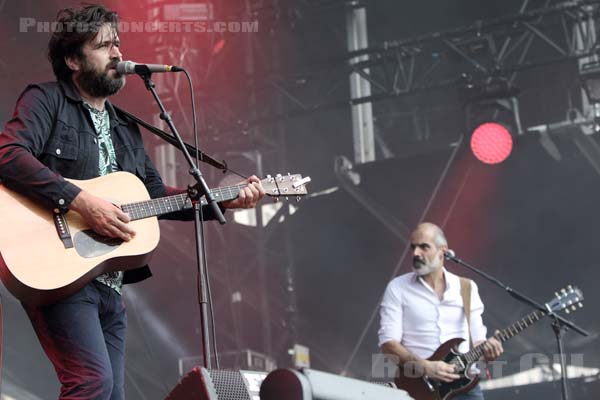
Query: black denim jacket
x=51, y=137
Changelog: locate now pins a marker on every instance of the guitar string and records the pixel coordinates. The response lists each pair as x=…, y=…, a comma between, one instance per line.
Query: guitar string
x=476, y=353
x=143, y=209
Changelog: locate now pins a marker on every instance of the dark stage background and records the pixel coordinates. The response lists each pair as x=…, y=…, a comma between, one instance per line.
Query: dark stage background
x=315, y=276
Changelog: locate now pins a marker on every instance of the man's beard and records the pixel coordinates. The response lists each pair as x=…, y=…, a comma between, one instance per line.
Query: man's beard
x=98, y=84
x=421, y=268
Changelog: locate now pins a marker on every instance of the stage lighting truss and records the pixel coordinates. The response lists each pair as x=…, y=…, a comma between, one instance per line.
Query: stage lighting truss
x=502, y=46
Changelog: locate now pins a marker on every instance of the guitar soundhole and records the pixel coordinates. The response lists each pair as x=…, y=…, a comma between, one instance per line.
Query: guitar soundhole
x=89, y=244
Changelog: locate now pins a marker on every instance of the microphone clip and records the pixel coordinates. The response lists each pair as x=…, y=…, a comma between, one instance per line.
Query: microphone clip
x=449, y=254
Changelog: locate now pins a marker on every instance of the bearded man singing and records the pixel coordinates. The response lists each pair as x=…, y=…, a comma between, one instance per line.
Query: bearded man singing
x=68, y=129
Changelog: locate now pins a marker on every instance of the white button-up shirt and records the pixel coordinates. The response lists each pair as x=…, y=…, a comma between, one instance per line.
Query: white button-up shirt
x=413, y=315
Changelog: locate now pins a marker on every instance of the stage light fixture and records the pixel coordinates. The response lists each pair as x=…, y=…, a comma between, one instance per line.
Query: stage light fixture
x=486, y=89
x=491, y=143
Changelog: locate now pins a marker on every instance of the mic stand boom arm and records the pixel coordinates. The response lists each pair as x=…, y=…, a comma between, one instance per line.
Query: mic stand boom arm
x=173, y=141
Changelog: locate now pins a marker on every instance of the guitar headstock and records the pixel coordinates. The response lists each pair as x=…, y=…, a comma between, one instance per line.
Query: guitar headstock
x=285, y=185
x=567, y=299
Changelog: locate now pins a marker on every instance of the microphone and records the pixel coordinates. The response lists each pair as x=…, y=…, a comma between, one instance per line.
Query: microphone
x=449, y=254
x=130, y=67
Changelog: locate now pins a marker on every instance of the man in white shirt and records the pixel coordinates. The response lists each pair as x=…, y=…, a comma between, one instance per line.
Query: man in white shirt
x=424, y=308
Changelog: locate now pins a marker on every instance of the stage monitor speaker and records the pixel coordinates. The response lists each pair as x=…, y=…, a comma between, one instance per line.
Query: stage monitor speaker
x=309, y=384
x=203, y=384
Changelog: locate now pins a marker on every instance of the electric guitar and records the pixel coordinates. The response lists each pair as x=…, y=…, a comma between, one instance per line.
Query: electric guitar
x=46, y=256
x=423, y=388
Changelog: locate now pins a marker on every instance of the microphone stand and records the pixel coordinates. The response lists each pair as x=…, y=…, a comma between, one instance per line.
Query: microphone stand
x=195, y=192
x=558, y=322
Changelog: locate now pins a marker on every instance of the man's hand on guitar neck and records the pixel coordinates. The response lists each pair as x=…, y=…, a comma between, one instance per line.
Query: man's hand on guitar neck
x=492, y=348
x=102, y=216
x=248, y=196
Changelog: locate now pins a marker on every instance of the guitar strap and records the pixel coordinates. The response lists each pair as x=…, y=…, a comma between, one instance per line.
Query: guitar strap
x=465, y=293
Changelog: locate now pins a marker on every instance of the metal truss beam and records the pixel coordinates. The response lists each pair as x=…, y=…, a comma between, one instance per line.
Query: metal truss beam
x=487, y=48
x=502, y=46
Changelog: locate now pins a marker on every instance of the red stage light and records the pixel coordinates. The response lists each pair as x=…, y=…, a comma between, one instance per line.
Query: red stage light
x=491, y=143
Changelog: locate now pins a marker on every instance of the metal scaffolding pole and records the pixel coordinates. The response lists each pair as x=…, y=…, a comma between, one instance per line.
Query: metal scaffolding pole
x=362, y=114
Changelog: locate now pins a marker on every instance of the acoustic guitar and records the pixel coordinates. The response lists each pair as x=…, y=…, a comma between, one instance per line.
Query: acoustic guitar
x=46, y=256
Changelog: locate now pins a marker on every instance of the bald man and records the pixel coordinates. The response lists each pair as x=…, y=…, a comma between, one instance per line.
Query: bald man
x=424, y=308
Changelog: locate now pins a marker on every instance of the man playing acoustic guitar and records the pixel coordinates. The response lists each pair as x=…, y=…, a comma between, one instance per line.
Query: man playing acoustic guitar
x=422, y=310
x=68, y=129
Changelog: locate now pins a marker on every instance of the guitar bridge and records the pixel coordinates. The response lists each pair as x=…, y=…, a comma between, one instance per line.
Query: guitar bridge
x=62, y=228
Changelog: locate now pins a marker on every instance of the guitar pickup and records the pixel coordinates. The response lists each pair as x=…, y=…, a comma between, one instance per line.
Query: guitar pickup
x=62, y=228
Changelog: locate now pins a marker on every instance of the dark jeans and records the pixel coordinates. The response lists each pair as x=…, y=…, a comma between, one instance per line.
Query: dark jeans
x=475, y=394
x=84, y=338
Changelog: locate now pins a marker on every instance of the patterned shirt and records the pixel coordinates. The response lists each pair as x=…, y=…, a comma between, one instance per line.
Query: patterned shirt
x=107, y=164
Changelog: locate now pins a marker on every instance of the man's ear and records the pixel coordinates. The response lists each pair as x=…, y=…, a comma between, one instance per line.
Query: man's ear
x=444, y=250
x=73, y=63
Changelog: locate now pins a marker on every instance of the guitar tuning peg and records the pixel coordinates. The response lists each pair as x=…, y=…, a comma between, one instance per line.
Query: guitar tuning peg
x=570, y=288
x=573, y=308
x=287, y=198
x=580, y=305
x=567, y=311
x=298, y=198
x=275, y=199
x=563, y=291
x=556, y=294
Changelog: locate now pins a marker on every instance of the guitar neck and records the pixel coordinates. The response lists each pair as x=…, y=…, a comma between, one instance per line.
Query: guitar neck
x=476, y=353
x=165, y=205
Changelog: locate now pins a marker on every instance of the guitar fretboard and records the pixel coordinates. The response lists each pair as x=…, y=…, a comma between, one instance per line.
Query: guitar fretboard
x=477, y=352
x=178, y=202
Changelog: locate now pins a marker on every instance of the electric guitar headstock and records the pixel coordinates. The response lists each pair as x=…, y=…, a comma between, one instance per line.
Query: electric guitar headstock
x=568, y=299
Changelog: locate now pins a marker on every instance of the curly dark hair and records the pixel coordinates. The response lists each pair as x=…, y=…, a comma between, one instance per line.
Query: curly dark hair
x=75, y=27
